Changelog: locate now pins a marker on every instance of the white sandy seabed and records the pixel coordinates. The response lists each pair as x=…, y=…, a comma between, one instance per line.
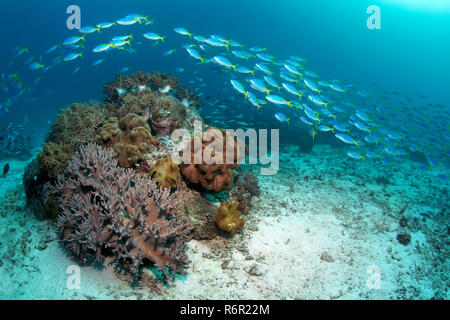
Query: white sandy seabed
x=324, y=227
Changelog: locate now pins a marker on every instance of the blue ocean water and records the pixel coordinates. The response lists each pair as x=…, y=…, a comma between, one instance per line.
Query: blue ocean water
x=398, y=76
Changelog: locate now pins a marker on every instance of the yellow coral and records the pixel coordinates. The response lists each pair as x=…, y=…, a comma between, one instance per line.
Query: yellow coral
x=129, y=137
x=166, y=173
x=229, y=217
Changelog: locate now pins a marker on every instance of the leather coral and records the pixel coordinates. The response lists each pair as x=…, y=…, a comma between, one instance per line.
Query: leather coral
x=215, y=175
x=111, y=211
x=129, y=137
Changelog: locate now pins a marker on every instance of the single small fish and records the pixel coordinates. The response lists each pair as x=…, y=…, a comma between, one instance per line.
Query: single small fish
x=89, y=29
x=97, y=62
x=5, y=170
x=183, y=32
x=194, y=54
x=278, y=100
x=238, y=87
x=73, y=40
x=282, y=118
x=105, y=25
x=224, y=62
x=347, y=139
x=355, y=155
x=127, y=21
x=72, y=56
x=36, y=66
x=102, y=47
x=169, y=52
x=154, y=36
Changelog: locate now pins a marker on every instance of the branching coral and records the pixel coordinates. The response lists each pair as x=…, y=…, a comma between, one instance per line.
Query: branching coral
x=108, y=210
x=129, y=137
x=229, y=217
x=214, y=176
x=166, y=173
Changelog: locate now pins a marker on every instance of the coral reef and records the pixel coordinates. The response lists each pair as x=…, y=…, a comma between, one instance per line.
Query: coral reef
x=129, y=137
x=215, y=176
x=165, y=173
x=229, y=217
x=109, y=210
x=245, y=188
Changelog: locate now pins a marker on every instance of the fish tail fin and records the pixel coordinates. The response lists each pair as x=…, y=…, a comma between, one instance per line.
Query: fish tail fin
x=288, y=121
x=234, y=67
x=258, y=106
x=163, y=38
x=268, y=92
x=357, y=143
x=227, y=46
x=82, y=37
x=190, y=35
x=252, y=72
x=202, y=60
x=289, y=103
x=245, y=95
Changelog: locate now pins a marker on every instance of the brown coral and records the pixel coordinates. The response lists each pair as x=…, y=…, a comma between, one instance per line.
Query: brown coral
x=108, y=210
x=166, y=173
x=76, y=125
x=245, y=188
x=53, y=159
x=214, y=176
x=229, y=217
x=166, y=114
x=161, y=80
x=129, y=137
x=127, y=83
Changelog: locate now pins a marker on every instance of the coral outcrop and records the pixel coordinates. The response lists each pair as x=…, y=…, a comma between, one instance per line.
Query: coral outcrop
x=213, y=176
x=229, y=217
x=111, y=211
x=129, y=137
